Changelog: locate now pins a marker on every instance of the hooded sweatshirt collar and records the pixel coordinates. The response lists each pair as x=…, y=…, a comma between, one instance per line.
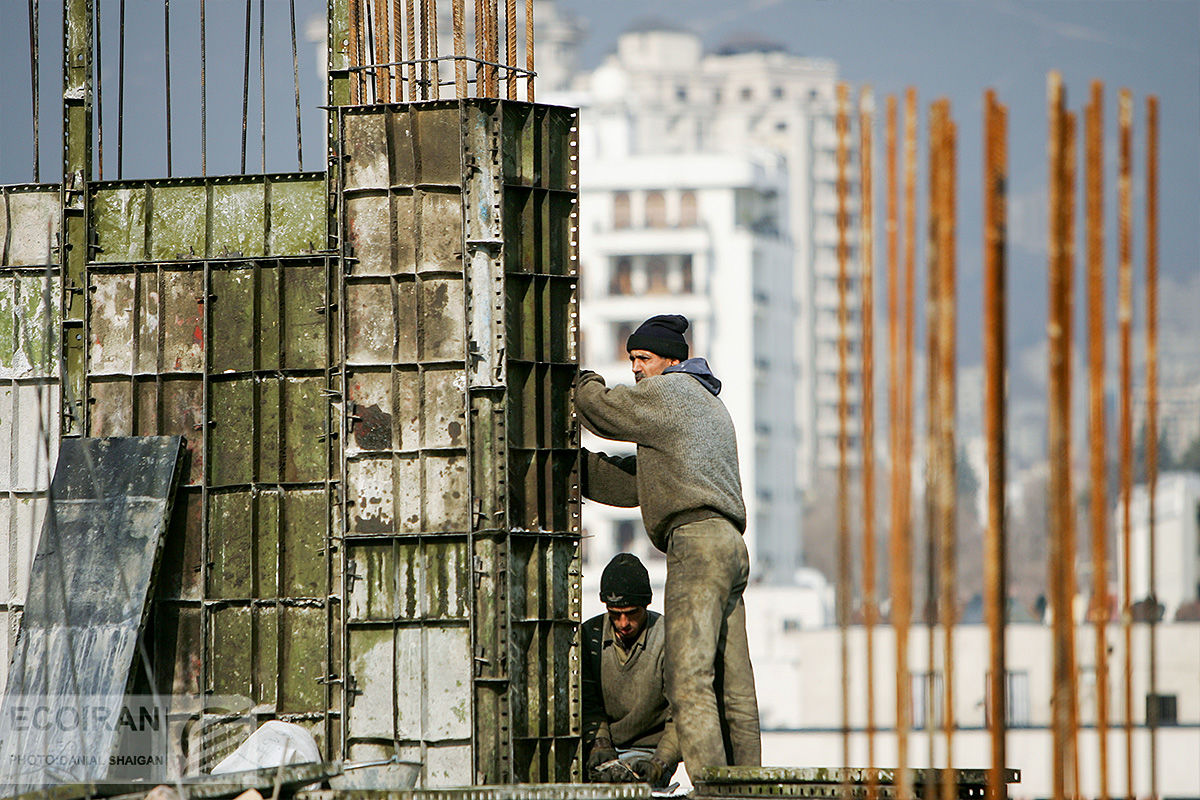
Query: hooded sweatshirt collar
x=698, y=368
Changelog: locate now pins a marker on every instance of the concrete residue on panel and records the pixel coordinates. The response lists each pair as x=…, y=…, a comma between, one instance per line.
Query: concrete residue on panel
x=32, y=225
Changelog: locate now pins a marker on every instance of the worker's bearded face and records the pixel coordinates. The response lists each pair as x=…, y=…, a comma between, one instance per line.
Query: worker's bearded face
x=627, y=623
x=646, y=364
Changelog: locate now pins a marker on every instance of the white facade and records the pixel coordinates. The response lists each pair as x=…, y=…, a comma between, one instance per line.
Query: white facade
x=799, y=678
x=1176, y=541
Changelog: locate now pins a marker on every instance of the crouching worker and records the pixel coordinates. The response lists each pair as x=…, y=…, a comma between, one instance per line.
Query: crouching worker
x=628, y=734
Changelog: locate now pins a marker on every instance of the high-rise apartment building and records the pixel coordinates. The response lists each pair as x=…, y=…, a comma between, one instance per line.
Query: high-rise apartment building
x=708, y=186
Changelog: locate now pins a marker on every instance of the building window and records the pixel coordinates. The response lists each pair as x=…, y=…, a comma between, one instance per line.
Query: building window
x=621, y=279
x=777, y=92
x=1016, y=699
x=927, y=699
x=681, y=93
x=622, y=213
x=1160, y=709
x=656, y=210
x=747, y=93
x=656, y=275
x=685, y=274
x=625, y=535
x=622, y=332
x=689, y=213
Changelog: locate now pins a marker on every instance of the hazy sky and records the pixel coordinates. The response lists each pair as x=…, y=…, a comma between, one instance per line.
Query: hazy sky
x=951, y=49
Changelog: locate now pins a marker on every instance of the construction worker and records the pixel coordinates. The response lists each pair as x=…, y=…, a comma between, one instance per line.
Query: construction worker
x=627, y=729
x=685, y=478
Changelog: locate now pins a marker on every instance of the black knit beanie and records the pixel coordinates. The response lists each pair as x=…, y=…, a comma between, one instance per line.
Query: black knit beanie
x=625, y=582
x=661, y=335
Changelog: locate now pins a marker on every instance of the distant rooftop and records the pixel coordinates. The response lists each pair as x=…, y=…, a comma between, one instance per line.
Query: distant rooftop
x=740, y=43
x=650, y=24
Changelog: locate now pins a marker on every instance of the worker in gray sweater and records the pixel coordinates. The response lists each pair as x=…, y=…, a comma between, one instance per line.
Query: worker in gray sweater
x=628, y=734
x=686, y=480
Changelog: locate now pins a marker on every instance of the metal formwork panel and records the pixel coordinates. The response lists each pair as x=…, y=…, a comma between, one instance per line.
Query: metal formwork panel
x=30, y=303
x=460, y=449
x=210, y=315
x=207, y=218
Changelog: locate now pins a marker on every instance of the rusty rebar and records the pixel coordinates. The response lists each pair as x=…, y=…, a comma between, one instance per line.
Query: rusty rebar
x=902, y=600
x=1058, y=435
x=99, y=79
x=352, y=54
x=410, y=33
x=423, y=23
x=933, y=452
x=262, y=85
x=167, y=74
x=867, y=290
x=1125, y=326
x=296, y=84
x=34, y=27
x=945, y=404
x=398, y=48
x=510, y=47
x=1152, y=417
x=1070, y=587
x=894, y=412
x=1097, y=427
x=204, y=89
x=492, y=47
x=246, y=80
x=843, y=475
x=431, y=49
x=383, y=55
x=460, y=49
x=529, y=51
x=995, y=205
x=120, y=95
x=480, y=52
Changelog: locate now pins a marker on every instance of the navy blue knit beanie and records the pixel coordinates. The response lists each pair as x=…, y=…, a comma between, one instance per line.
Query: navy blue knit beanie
x=661, y=335
x=625, y=582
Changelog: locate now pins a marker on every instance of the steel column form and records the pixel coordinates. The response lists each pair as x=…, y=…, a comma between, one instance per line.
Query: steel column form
x=995, y=209
x=78, y=16
x=1125, y=332
x=1152, y=415
x=843, y=476
x=461, y=448
x=867, y=316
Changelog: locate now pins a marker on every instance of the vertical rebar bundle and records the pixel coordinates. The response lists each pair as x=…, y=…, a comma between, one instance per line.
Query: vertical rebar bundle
x=397, y=58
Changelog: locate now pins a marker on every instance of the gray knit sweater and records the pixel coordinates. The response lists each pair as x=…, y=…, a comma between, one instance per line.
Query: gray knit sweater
x=686, y=466
x=624, y=701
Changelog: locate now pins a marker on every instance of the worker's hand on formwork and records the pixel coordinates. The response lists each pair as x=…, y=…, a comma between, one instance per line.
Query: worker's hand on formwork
x=650, y=770
x=603, y=752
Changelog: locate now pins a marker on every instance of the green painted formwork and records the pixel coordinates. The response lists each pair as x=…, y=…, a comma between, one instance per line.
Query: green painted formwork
x=208, y=316
x=30, y=313
x=377, y=531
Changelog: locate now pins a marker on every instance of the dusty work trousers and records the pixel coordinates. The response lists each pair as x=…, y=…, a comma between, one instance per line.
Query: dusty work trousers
x=709, y=680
